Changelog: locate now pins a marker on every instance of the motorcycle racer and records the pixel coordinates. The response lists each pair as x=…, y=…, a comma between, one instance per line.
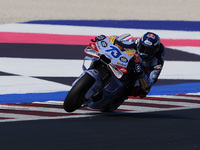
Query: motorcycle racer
x=119, y=68
x=148, y=60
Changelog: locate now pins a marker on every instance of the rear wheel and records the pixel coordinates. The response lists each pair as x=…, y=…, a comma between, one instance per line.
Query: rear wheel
x=75, y=97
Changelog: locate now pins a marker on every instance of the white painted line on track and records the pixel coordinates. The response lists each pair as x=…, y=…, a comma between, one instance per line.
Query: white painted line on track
x=43, y=68
x=172, y=103
x=129, y=106
x=176, y=97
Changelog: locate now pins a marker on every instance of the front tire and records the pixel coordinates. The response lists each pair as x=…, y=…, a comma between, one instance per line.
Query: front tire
x=75, y=97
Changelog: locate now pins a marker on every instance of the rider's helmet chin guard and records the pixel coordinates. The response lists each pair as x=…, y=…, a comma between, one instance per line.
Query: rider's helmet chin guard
x=148, y=45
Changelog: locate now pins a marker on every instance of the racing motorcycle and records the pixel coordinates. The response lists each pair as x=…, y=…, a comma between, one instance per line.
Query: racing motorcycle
x=103, y=85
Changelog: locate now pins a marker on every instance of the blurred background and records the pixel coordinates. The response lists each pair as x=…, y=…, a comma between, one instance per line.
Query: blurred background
x=12, y=11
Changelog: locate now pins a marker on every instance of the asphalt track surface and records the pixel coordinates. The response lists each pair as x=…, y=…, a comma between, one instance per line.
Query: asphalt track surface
x=170, y=130
x=166, y=130
x=161, y=130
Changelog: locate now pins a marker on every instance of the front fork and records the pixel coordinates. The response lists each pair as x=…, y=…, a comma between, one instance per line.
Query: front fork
x=99, y=71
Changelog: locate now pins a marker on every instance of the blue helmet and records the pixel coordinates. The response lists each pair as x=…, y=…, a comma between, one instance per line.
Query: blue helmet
x=149, y=44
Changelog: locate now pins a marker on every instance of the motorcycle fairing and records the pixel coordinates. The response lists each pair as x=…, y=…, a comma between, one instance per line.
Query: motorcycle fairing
x=119, y=59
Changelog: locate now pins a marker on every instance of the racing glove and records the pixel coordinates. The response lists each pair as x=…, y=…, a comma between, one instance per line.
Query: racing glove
x=138, y=70
x=98, y=38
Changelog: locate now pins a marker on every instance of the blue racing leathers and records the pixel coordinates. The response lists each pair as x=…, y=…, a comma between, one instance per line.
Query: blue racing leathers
x=148, y=68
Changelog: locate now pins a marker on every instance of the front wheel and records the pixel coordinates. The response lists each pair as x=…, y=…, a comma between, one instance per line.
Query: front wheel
x=75, y=97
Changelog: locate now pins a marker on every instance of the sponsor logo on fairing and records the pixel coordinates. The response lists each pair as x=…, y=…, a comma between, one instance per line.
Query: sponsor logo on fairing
x=112, y=39
x=114, y=52
x=122, y=64
x=123, y=59
x=104, y=44
x=93, y=46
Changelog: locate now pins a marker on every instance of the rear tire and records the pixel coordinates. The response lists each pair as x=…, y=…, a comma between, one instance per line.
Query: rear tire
x=75, y=97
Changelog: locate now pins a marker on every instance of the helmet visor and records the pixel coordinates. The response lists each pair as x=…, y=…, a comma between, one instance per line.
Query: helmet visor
x=147, y=51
